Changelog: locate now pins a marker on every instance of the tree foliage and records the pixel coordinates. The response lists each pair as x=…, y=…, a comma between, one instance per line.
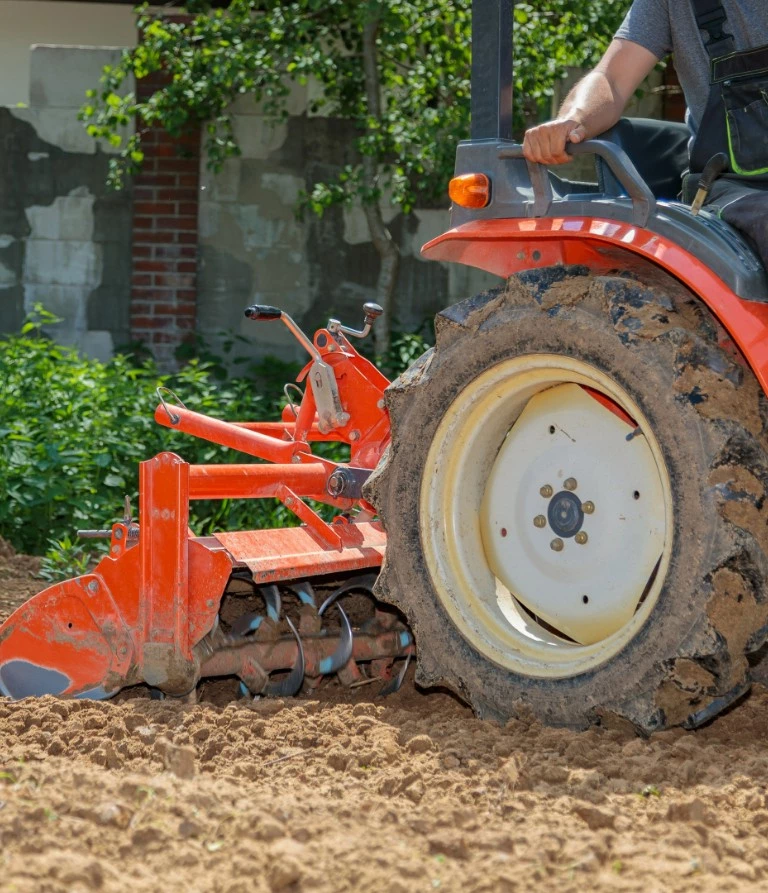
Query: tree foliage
x=554, y=35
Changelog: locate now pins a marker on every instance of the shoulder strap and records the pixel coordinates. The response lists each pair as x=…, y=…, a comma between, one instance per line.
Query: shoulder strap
x=711, y=17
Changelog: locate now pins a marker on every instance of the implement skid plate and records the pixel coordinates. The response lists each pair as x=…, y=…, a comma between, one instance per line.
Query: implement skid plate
x=288, y=553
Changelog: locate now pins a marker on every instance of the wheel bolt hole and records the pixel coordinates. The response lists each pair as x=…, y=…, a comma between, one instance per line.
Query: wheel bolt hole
x=585, y=599
x=503, y=531
x=551, y=429
x=636, y=494
x=69, y=626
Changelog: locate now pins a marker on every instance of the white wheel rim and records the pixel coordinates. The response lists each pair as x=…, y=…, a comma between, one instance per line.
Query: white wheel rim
x=490, y=458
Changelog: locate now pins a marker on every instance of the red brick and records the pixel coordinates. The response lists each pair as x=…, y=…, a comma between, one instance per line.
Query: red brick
x=152, y=179
x=176, y=251
x=178, y=195
x=187, y=238
x=144, y=194
x=188, y=209
x=174, y=281
x=185, y=166
x=185, y=323
x=167, y=309
x=163, y=149
x=177, y=223
x=163, y=337
x=143, y=223
x=186, y=267
x=141, y=308
x=189, y=181
x=146, y=236
x=155, y=266
x=143, y=322
x=141, y=251
x=183, y=295
x=140, y=280
x=153, y=208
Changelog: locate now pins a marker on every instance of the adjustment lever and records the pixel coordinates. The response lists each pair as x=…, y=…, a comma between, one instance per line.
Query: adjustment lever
x=372, y=313
x=263, y=313
x=322, y=378
x=712, y=170
x=266, y=313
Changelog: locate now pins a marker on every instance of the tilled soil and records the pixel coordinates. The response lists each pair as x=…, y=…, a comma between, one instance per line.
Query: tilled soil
x=345, y=793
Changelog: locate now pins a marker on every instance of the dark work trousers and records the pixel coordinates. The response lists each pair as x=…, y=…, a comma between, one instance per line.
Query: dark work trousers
x=745, y=208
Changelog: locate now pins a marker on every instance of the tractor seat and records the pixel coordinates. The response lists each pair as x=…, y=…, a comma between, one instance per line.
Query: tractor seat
x=658, y=149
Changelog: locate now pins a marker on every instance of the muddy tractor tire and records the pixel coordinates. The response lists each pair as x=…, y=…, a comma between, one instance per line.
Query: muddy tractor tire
x=574, y=504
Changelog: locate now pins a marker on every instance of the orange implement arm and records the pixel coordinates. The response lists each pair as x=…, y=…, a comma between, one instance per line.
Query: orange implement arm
x=264, y=446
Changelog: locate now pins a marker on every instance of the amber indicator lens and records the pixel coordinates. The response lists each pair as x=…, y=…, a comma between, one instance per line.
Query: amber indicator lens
x=470, y=190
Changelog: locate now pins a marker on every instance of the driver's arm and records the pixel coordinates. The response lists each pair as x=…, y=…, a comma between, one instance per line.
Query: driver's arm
x=594, y=105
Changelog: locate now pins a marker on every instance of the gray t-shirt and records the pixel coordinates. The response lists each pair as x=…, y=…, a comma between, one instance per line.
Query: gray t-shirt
x=669, y=26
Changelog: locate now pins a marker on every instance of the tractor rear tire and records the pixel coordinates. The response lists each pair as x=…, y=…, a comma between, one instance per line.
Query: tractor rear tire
x=679, y=655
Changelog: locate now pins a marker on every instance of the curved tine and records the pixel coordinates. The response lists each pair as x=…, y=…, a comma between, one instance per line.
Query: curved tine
x=248, y=623
x=343, y=651
x=291, y=684
x=394, y=684
x=305, y=592
x=365, y=582
x=273, y=601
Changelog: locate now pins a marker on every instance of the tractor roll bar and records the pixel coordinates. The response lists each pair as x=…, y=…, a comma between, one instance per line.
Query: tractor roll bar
x=492, y=54
x=619, y=163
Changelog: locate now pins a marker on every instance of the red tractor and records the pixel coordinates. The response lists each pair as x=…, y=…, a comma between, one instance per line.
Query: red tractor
x=565, y=498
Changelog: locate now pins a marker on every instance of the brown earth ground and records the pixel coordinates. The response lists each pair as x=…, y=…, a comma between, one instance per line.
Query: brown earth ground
x=342, y=793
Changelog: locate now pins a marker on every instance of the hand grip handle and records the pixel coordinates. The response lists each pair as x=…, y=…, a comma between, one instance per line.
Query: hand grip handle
x=263, y=312
x=643, y=200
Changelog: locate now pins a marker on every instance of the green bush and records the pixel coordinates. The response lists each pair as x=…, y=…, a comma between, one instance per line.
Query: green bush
x=75, y=429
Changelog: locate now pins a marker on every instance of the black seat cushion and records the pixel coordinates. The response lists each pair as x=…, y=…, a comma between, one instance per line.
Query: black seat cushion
x=658, y=149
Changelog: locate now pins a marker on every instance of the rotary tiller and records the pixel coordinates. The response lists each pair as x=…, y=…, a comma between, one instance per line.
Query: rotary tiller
x=154, y=610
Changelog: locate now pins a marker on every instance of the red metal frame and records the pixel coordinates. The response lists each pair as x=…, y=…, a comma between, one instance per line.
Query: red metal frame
x=510, y=246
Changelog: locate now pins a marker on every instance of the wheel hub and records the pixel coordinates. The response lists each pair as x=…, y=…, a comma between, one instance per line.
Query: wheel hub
x=582, y=572
x=565, y=514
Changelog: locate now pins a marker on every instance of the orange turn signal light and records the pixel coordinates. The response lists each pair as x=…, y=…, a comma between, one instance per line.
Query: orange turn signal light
x=470, y=190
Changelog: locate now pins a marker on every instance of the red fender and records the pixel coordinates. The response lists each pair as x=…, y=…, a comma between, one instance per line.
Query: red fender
x=505, y=247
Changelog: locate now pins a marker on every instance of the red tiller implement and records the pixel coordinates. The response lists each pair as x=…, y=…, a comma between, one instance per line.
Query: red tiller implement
x=151, y=611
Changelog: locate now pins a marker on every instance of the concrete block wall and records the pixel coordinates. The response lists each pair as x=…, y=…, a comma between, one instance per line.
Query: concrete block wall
x=185, y=249
x=64, y=235
x=254, y=249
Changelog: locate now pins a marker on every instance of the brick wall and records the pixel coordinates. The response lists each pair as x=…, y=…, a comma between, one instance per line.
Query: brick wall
x=164, y=251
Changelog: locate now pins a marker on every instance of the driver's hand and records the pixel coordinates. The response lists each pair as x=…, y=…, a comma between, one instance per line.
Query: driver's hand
x=546, y=143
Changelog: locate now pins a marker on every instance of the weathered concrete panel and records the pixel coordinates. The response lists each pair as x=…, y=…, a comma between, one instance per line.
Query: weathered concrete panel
x=60, y=76
x=54, y=232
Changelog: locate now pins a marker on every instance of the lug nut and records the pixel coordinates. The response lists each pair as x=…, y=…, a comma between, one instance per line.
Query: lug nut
x=539, y=521
x=582, y=538
x=588, y=507
x=571, y=484
x=546, y=491
x=557, y=545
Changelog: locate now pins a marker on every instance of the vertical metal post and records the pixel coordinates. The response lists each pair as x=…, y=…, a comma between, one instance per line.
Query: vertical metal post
x=492, y=90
